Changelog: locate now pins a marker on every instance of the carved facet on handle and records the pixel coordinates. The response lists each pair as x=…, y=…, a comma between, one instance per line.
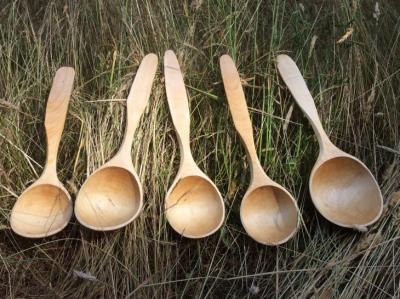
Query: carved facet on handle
x=292, y=77
x=178, y=102
x=138, y=98
x=56, y=112
x=239, y=110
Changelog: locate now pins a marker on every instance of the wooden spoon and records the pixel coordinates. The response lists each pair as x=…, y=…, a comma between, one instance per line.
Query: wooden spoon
x=268, y=212
x=45, y=207
x=193, y=204
x=342, y=188
x=112, y=196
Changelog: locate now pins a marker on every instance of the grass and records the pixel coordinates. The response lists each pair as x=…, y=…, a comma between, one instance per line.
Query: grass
x=355, y=83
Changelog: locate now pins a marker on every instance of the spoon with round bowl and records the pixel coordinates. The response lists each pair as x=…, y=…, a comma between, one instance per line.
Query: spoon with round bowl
x=193, y=204
x=268, y=212
x=45, y=207
x=112, y=196
x=342, y=188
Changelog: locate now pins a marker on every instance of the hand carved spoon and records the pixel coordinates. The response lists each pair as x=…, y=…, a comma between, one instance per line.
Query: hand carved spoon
x=45, y=207
x=112, y=196
x=268, y=212
x=193, y=204
x=342, y=188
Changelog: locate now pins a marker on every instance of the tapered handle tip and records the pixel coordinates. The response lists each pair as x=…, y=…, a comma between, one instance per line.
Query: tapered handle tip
x=150, y=59
x=62, y=84
x=287, y=67
x=229, y=73
x=225, y=59
x=281, y=58
x=65, y=72
x=169, y=52
x=170, y=59
x=173, y=76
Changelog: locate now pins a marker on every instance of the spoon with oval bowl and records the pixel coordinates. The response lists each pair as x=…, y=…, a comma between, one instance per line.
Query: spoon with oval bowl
x=193, y=204
x=268, y=211
x=112, y=196
x=45, y=207
x=342, y=188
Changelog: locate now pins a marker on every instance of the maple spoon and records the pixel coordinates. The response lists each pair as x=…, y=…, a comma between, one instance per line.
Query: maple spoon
x=342, y=188
x=268, y=211
x=45, y=207
x=112, y=196
x=193, y=205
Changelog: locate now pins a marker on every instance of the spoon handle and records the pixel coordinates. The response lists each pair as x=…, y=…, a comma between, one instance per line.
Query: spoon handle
x=138, y=98
x=292, y=77
x=177, y=100
x=56, y=112
x=238, y=107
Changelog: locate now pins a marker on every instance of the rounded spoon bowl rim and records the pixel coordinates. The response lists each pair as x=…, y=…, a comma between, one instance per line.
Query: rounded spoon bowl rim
x=341, y=154
x=41, y=182
x=270, y=183
x=133, y=173
x=203, y=176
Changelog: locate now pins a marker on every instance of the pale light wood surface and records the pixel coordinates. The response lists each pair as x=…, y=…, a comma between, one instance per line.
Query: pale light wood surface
x=268, y=212
x=193, y=205
x=342, y=188
x=45, y=207
x=112, y=196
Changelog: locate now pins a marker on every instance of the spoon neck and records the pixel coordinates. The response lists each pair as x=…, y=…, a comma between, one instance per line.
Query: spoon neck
x=50, y=169
x=325, y=144
x=131, y=124
x=126, y=146
x=187, y=165
x=258, y=175
x=51, y=155
x=184, y=148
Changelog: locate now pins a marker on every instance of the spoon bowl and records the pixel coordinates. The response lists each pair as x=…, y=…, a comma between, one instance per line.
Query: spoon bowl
x=45, y=207
x=342, y=188
x=269, y=214
x=112, y=196
x=345, y=192
x=41, y=210
x=193, y=206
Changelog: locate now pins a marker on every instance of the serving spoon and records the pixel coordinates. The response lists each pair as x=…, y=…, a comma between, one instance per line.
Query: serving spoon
x=342, y=188
x=268, y=212
x=112, y=196
x=45, y=207
x=193, y=205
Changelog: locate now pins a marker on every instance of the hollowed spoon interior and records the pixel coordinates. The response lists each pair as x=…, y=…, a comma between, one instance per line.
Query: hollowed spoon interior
x=268, y=212
x=193, y=204
x=45, y=207
x=112, y=196
x=342, y=188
